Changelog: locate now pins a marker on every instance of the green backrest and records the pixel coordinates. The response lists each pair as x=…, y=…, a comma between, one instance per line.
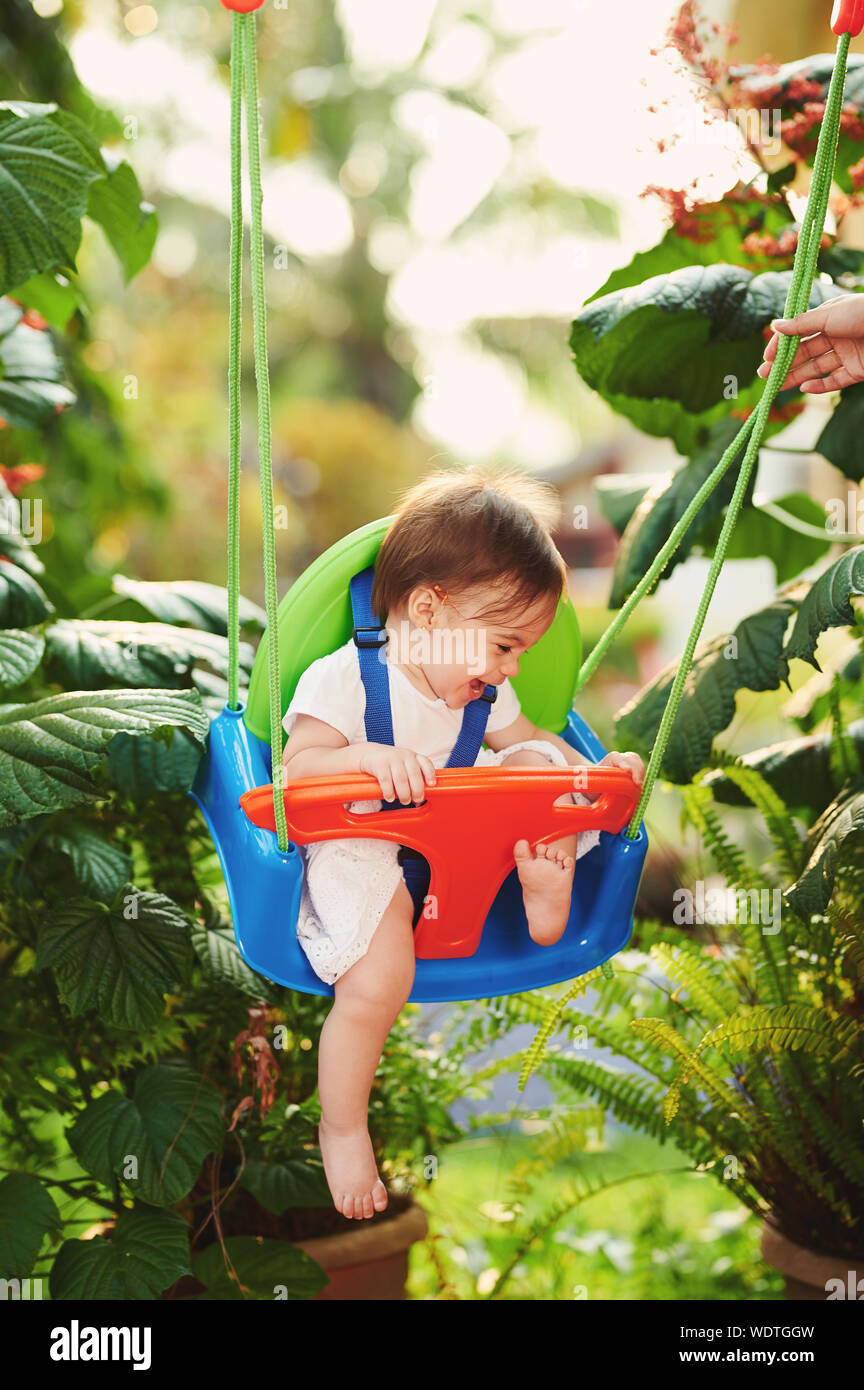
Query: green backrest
x=315, y=618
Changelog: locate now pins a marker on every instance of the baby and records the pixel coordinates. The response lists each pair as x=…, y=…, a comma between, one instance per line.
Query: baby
x=467, y=580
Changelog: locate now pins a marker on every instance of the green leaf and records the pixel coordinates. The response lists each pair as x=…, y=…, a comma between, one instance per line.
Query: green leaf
x=266, y=1270
x=101, y=867
x=844, y=817
x=827, y=605
x=28, y=1214
x=48, y=161
x=90, y=652
x=670, y=354
x=50, y=749
x=22, y=602
x=148, y=1252
x=619, y=494
x=663, y=505
x=129, y=224
x=711, y=233
x=751, y=659
x=216, y=948
x=20, y=654
x=797, y=769
x=121, y=959
x=758, y=533
x=842, y=440
x=165, y=1133
x=51, y=295
x=190, y=602
x=142, y=767
x=295, y=1183
x=14, y=545
x=32, y=374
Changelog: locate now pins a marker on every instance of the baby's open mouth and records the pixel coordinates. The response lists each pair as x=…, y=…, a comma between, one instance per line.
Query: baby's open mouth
x=477, y=688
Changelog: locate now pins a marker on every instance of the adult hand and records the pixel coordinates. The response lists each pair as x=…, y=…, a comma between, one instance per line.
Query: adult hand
x=831, y=353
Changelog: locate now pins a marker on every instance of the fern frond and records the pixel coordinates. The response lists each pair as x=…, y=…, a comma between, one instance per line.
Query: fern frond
x=555, y=1009
x=685, y=962
x=698, y=804
x=668, y=1040
x=791, y=1027
x=779, y=821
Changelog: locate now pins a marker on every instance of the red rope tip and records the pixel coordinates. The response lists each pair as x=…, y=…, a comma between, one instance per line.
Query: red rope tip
x=243, y=6
x=847, y=17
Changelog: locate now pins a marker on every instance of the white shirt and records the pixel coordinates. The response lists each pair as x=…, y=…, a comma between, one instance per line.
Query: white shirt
x=331, y=689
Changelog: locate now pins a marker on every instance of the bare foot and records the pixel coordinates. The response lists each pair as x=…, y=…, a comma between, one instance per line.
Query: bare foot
x=546, y=875
x=349, y=1166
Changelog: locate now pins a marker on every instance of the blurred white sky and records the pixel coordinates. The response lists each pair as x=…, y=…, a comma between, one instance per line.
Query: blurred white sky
x=581, y=80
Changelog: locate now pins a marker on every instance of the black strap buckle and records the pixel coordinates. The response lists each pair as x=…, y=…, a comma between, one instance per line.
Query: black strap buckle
x=489, y=698
x=382, y=635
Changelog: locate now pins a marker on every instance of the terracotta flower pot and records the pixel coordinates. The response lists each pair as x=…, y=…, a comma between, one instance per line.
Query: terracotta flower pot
x=810, y=1275
x=369, y=1261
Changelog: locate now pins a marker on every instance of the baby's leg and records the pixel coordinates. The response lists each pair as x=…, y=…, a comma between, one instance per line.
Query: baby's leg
x=546, y=873
x=368, y=1000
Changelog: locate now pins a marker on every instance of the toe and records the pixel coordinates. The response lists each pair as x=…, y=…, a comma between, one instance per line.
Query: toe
x=521, y=850
x=348, y=1206
x=368, y=1209
x=379, y=1196
x=358, y=1208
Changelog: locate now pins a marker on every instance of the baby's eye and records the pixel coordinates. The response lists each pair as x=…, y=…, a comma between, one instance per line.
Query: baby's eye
x=503, y=649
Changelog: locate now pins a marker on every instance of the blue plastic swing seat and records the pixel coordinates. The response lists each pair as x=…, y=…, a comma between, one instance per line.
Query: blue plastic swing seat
x=264, y=883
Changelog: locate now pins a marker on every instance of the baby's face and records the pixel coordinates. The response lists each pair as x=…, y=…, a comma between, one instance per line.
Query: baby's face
x=460, y=651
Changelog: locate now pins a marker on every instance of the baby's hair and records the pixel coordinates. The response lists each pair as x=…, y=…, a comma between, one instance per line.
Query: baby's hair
x=473, y=526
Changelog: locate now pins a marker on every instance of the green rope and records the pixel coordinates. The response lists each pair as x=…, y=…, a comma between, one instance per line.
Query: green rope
x=235, y=284
x=797, y=301
x=262, y=380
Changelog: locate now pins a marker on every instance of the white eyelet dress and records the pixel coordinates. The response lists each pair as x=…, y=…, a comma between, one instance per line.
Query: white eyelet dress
x=349, y=883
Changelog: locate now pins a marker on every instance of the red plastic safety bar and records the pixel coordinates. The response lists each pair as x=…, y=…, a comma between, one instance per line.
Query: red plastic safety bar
x=243, y=6
x=466, y=829
x=847, y=17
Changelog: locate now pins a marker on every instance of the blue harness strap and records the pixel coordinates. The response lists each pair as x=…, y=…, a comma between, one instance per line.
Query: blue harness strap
x=370, y=639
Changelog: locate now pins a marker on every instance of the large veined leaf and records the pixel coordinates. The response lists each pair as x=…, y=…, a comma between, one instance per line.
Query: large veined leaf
x=295, y=1183
x=619, y=494
x=266, y=1269
x=712, y=232
x=48, y=160
x=842, y=440
x=14, y=544
x=844, y=817
x=20, y=654
x=216, y=948
x=190, y=602
x=169, y=1128
x=27, y=1214
x=760, y=533
x=31, y=377
x=22, y=601
x=751, y=658
x=680, y=351
x=142, y=767
x=51, y=749
x=120, y=959
x=147, y=1253
x=129, y=224
x=90, y=652
x=827, y=605
x=664, y=504
x=101, y=867
x=798, y=770
x=52, y=295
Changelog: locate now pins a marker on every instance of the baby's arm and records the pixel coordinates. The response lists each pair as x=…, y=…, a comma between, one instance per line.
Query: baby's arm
x=316, y=749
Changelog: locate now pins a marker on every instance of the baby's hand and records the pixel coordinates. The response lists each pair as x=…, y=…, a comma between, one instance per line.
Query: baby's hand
x=630, y=762
x=399, y=771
